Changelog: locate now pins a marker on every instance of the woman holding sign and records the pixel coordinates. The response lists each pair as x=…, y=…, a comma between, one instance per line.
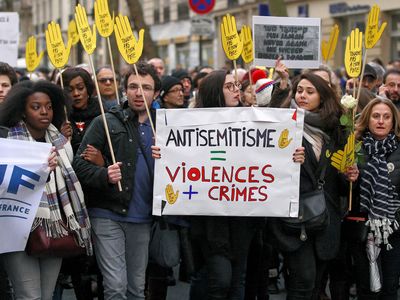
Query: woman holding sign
x=221, y=243
x=306, y=252
x=34, y=112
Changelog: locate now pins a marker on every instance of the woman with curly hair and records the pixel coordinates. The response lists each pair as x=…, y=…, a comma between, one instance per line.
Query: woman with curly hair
x=35, y=112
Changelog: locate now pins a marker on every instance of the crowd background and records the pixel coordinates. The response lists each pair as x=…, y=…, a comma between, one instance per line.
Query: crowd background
x=216, y=259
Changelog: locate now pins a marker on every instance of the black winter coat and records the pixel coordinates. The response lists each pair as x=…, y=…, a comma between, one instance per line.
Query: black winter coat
x=122, y=125
x=80, y=121
x=326, y=242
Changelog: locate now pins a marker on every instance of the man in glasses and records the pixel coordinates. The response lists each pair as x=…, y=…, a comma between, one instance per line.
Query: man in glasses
x=107, y=87
x=171, y=93
x=121, y=220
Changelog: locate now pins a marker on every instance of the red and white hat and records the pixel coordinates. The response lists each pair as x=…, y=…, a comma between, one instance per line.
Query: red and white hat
x=263, y=87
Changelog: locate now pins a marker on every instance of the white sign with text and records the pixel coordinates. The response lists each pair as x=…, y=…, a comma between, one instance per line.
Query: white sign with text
x=227, y=162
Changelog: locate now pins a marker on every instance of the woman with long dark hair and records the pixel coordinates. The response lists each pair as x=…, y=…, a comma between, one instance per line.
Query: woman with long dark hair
x=35, y=112
x=306, y=257
x=221, y=243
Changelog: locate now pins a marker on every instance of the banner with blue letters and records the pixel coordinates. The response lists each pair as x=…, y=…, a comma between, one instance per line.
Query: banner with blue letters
x=23, y=175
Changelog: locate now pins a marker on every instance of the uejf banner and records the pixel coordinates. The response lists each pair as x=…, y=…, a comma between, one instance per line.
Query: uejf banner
x=296, y=40
x=23, y=175
x=227, y=162
x=9, y=33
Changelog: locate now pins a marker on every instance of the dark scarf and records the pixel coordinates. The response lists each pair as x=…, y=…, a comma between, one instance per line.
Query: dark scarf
x=378, y=195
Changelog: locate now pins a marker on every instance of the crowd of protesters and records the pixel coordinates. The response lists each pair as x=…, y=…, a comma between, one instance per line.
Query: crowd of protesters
x=106, y=197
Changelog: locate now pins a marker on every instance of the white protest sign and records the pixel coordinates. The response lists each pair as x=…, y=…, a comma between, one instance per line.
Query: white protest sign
x=23, y=175
x=296, y=40
x=227, y=162
x=9, y=33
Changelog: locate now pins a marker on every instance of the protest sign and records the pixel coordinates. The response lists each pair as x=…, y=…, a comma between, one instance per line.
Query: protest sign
x=227, y=162
x=247, y=40
x=9, y=33
x=72, y=32
x=296, y=40
x=22, y=180
x=32, y=58
x=56, y=50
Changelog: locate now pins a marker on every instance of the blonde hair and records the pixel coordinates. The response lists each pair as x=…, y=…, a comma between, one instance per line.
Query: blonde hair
x=363, y=120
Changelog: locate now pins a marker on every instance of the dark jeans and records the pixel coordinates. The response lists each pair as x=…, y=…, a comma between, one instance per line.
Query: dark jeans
x=220, y=277
x=303, y=272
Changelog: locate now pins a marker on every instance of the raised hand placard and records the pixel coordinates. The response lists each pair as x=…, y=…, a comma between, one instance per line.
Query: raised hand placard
x=32, y=58
x=130, y=48
x=353, y=53
x=231, y=42
x=247, y=40
x=372, y=32
x=103, y=19
x=73, y=34
x=328, y=47
x=87, y=36
x=58, y=53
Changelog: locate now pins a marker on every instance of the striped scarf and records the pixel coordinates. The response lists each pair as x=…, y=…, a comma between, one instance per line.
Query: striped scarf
x=63, y=192
x=378, y=195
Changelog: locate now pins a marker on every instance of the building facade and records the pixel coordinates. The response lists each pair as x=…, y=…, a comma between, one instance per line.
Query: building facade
x=173, y=26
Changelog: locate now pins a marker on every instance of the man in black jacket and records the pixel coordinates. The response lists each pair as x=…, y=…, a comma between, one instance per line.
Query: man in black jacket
x=121, y=220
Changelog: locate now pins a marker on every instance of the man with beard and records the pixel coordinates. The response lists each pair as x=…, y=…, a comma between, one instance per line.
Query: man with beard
x=391, y=86
x=121, y=220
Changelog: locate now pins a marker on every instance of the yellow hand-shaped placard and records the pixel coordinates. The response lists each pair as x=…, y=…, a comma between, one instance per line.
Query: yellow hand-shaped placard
x=247, y=40
x=103, y=19
x=32, y=59
x=86, y=35
x=170, y=194
x=56, y=50
x=231, y=42
x=130, y=49
x=73, y=32
x=328, y=47
x=342, y=159
x=353, y=53
x=372, y=31
x=283, y=141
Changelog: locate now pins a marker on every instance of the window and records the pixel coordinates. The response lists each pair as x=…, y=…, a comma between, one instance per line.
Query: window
x=395, y=36
x=166, y=11
x=183, y=10
x=232, y=3
x=182, y=55
x=156, y=12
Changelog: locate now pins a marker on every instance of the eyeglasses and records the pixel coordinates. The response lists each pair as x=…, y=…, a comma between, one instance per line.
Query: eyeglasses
x=232, y=85
x=146, y=88
x=104, y=80
x=175, y=91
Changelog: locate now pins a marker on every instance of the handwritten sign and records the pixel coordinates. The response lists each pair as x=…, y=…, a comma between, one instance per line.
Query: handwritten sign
x=86, y=35
x=130, y=49
x=296, y=40
x=32, y=58
x=328, y=47
x=247, y=40
x=227, y=161
x=9, y=37
x=73, y=32
x=353, y=53
x=231, y=42
x=22, y=180
x=372, y=32
x=58, y=53
x=103, y=19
